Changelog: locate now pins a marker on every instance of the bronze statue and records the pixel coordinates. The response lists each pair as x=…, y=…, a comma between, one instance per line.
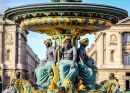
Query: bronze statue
x=43, y=70
x=85, y=64
x=82, y=56
x=67, y=64
x=50, y=51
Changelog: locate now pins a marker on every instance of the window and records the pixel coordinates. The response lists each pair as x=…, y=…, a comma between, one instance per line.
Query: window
x=112, y=55
x=8, y=81
x=127, y=38
x=8, y=55
x=126, y=58
x=127, y=74
x=127, y=85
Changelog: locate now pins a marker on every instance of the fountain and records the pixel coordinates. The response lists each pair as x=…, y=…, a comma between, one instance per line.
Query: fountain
x=63, y=19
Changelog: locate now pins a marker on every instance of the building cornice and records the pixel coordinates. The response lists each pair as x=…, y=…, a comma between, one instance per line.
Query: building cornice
x=126, y=25
x=32, y=57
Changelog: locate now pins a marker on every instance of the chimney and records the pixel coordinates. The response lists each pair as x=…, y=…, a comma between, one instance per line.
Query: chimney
x=88, y=50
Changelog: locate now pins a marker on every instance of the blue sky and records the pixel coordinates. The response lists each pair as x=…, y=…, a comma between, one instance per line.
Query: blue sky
x=35, y=40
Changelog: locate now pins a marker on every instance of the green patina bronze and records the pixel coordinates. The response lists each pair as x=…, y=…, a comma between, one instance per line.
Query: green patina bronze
x=65, y=71
x=43, y=75
x=87, y=73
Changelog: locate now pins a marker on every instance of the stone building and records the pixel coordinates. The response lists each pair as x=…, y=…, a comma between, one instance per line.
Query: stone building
x=15, y=54
x=111, y=53
x=32, y=62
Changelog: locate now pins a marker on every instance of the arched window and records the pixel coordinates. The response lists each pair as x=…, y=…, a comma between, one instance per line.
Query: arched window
x=8, y=55
x=112, y=55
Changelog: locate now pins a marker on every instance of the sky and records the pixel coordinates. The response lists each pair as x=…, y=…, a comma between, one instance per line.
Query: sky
x=35, y=40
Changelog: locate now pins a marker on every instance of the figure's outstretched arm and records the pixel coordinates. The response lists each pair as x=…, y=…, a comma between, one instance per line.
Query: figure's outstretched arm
x=74, y=56
x=82, y=58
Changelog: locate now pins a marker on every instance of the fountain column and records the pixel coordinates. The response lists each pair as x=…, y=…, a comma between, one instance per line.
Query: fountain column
x=60, y=38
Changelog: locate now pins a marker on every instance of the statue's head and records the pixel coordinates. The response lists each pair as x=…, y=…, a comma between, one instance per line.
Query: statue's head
x=111, y=76
x=18, y=74
x=48, y=43
x=84, y=42
x=67, y=43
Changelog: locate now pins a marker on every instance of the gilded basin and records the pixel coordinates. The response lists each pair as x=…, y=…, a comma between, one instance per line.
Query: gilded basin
x=65, y=17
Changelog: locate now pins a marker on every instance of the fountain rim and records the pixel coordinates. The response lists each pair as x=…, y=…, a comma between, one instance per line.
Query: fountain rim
x=67, y=3
x=29, y=11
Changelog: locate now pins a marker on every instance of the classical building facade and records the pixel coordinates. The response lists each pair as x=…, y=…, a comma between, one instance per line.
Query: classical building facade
x=111, y=53
x=15, y=54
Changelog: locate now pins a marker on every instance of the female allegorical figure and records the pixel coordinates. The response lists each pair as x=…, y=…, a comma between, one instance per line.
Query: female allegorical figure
x=43, y=71
x=86, y=68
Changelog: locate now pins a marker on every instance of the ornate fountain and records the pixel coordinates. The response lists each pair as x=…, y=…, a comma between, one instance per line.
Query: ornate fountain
x=65, y=18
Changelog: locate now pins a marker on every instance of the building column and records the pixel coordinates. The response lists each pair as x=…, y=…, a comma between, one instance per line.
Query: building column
x=1, y=46
x=19, y=47
x=120, y=46
x=19, y=64
x=4, y=45
x=102, y=49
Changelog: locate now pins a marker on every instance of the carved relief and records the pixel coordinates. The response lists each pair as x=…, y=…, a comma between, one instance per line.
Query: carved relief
x=9, y=43
x=113, y=44
x=9, y=37
x=113, y=38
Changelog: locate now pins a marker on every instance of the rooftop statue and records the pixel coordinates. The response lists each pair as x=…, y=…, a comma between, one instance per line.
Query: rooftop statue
x=67, y=65
x=43, y=70
x=85, y=64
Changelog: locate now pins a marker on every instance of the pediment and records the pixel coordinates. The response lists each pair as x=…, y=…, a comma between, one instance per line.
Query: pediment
x=125, y=21
x=9, y=21
x=4, y=20
x=1, y=20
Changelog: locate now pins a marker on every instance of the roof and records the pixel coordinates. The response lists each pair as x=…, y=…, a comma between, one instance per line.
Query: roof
x=125, y=21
